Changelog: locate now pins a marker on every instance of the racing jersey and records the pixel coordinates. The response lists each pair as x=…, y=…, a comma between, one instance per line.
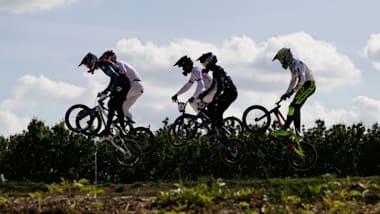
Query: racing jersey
x=129, y=70
x=194, y=77
x=117, y=77
x=221, y=79
x=207, y=79
x=300, y=74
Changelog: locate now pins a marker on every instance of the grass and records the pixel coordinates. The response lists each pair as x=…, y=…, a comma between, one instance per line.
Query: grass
x=324, y=194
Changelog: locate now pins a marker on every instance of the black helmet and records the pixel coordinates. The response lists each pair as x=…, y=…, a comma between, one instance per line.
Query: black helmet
x=109, y=53
x=208, y=59
x=184, y=61
x=89, y=60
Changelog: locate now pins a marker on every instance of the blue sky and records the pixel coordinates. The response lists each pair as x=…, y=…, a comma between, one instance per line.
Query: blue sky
x=43, y=41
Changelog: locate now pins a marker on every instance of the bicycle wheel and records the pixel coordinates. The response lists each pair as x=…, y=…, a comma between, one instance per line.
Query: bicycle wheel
x=127, y=152
x=88, y=121
x=232, y=152
x=78, y=118
x=145, y=139
x=256, y=119
x=307, y=160
x=184, y=127
x=172, y=139
x=234, y=126
x=70, y=116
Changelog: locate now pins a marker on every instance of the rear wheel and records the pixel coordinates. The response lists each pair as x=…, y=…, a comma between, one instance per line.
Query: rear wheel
x=233, y=126
x=256, y=119
x=233, y=152
x=303, y=159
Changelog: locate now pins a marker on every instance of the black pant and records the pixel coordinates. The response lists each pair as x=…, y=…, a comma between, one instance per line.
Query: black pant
x=116, y=104
x=294, y=113
x=219, y=105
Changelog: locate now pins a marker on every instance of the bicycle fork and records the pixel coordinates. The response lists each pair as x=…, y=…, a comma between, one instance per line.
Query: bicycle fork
x=126, y=152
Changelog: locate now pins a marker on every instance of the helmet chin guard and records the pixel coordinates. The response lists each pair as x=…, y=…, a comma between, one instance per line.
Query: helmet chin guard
x=285, y=56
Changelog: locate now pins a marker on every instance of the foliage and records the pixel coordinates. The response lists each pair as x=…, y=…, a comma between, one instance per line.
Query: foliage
x=48, y=154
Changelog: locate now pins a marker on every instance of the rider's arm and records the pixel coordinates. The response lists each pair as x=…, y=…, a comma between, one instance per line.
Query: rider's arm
x=198, y=79
x=301, y=70
x=185, y=87
x=292, y=82
x=111, y=72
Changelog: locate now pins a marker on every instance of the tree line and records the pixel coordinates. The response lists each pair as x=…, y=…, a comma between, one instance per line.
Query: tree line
x=48, y=154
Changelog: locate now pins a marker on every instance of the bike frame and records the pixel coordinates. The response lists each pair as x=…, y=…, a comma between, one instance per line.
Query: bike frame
x=182, y=110
x=281, y=120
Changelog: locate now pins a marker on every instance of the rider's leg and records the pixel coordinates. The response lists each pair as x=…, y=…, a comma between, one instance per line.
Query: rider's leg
x=134, y=93
x=294, y=113
x=194, y=105
x=224, y=101
x=111, y=113
x=211, y=109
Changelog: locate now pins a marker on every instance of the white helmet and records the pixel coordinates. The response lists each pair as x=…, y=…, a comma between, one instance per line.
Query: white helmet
x=285, y=56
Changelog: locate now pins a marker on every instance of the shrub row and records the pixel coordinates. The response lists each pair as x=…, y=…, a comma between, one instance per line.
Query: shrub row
x=47, y=154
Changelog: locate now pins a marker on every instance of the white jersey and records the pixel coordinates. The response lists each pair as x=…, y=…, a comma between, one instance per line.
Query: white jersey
x=129, y=70
x=207, y=80
x=195, y=76
x=301, y=72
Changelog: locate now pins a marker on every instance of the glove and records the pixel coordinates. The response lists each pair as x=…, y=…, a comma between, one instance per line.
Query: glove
x=191, y=99
x=175, y=98
x=201, y=96
x=103, y=93
x=287, y=95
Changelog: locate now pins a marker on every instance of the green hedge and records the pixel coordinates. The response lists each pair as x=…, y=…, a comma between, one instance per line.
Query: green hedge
x=47, y=154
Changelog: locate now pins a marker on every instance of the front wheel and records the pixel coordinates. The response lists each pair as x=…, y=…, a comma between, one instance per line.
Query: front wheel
x=256, y=119
x=304, y=158
x=127, y=152
x=233, y=152
x=71, y=116
x=184, y=127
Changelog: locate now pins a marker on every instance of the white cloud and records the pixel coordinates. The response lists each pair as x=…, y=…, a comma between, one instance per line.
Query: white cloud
x=332, y=69
x=42, y=98
x=259, y=80
x=21, y=6
x=250, y=64
x=372, y=50
x=363, y=109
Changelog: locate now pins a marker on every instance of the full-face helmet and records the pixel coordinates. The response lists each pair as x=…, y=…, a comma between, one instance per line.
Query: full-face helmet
x=89, y=61
x=208, y=59
x=285, y=56
x=186, y=64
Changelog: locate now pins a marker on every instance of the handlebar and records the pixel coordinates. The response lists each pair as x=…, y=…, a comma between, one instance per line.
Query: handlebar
x=101, y=97
x=278, y=102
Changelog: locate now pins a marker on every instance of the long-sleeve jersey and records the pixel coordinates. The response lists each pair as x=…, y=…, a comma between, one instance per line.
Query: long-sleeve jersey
x=194, y=77
x=129, y=70
x=300, y=73
x=221, y=79
x=207, y=79
x=117, y=77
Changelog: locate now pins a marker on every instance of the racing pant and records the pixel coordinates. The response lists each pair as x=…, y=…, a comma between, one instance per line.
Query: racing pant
x=294, y=113
x=134, y=93
x=115, y=104
x=206, y=99
x=219, y=105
